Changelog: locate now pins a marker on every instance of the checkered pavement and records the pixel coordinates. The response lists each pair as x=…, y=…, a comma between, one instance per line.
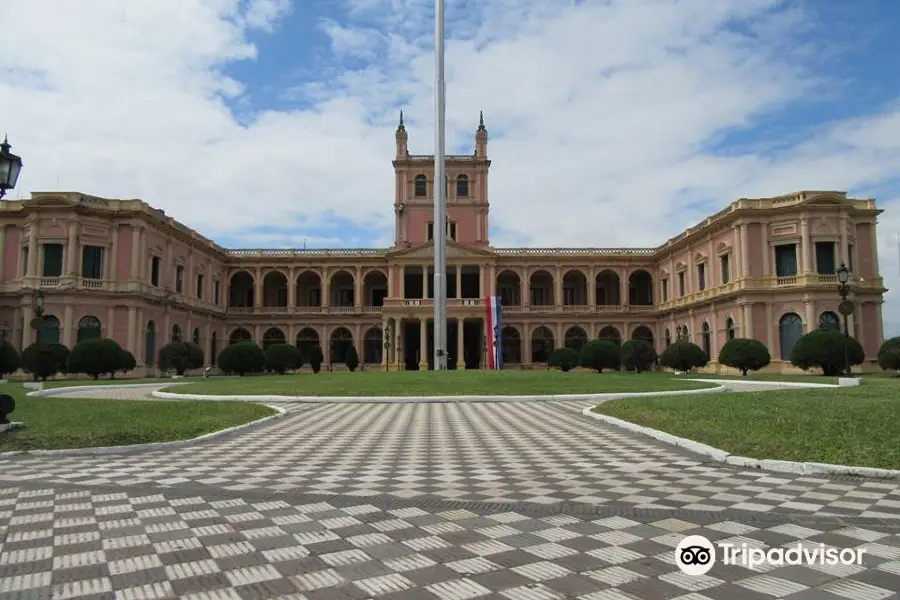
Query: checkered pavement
x=69, y=542
x=543, y=453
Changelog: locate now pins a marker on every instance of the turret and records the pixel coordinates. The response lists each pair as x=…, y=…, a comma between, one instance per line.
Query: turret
x=481, y=137
x=402, y=137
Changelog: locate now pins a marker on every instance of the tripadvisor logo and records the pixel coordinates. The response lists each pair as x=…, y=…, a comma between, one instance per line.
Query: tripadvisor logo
x=696, y=555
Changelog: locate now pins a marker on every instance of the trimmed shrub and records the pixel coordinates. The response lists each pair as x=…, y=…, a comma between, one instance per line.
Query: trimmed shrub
x=564, y=359
x=128, y=362
x=316, y=359
x=683, y=356
x=10, y=361
x=352, y=360
x=42, y=360
x=180, y=357
x=824, y=349
x=638, y=355
x=242, y=358
x=95, y=357
x=601, y=354
x=283, y=357
x=745, y=354
x=889, y=355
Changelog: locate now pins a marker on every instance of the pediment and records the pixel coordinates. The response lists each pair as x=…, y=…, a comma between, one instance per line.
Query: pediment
x=825, y=198
x=49, y=201
x=453, y=251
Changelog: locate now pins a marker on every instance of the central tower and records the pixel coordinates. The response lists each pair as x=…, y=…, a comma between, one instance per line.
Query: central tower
x=466, y=192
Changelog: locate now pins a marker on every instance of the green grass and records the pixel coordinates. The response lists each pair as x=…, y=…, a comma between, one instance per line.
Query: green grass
x=846, y=426
x=439, y=383
x=59, y=383
x=54, y=423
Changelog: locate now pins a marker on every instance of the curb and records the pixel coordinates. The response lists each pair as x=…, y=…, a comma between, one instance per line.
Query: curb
x=842, y=382
x=776, y=466
x=90, y=388
x=430, y=399
x=281, y=412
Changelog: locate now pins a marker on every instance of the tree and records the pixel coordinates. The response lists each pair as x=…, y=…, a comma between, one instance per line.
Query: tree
x=42, y=360
x=10, y=361
x=96, y=356
x=683, y=356
x=565, y=359
x=128, y=363
x=180, y=357
x=601, y=354
x=352, y=360
x=316, y=359
x=242, y=358
x=62, y=357
x=283, y=357
x=638, y=355
x=824, y=348
x=889, y=355
x=745, y=354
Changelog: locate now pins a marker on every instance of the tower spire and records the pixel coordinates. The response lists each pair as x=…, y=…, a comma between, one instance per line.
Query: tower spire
x=401, y=127
x=481, y=126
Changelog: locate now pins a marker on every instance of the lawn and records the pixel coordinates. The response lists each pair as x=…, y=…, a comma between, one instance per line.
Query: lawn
x=59, y=383
x=846, y=426
x=53, y=423
x=439, y=383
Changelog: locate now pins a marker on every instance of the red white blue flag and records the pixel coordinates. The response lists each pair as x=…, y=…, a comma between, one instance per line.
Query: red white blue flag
x=494, y=326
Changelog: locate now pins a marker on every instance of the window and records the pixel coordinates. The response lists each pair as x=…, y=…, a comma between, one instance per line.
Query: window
x=345, y=298
x=665, y=290
x=537, y=296
x=786, y=260
x=176, y=333
x=706, y=338
x=179, y=279
x=315, y=297
x=217, y=292
x=729, y=328
x=92, y=262
x=569, y=296
x=451, y=230
x=726, y=269
x=25, y=260
x=701, y=277
x=154, y=271
x=681, y=284
x=195, y=337
x=825, y=260
x=430, y=230
x=421, y=186
x=829, y=320
x=462, y=187
x=200, y=286
x=53, y=260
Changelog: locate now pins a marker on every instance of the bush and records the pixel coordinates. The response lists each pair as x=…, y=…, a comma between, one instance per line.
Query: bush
x=601, y=354
x=316, y=359
x=242, y=358
x=683, y=356
x=352, y=361
x=889, y=355
x=96, y=356
x=824, y=348
x=283, y=357
x=638, y=355
x=565, y=359
x=745, y=354
x=10, y=361
x=43, y=360
x=62, y=357
x=128, y=362
x=180, y=357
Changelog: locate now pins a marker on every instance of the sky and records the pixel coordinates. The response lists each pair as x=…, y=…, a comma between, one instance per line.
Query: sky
x=270, y=123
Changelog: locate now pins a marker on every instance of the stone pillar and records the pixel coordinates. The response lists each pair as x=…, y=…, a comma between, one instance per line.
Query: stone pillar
x=809, y=316
x=72, y=251
x=326, y=289
x=558, y=287
x=423, y=344
x=358, y=289
x=401, y=272
x=748, y=322
x=113, y=258
x=805, y=258
x=460, y=344
x=143, y=259
x=767, y=270
x=165, y=336
x=745, y=262
x=874, y=242
x=131, y=344
x=257, y=334
x=459, y=281
x=770, y=328
x=28, y=334
x=592, y=287
x=258, y=290
x=526, y=346
x=136, y=257
x=623, y=287
x=424, y=281
x=68, y=332
x=525, y=285
x=32, y=266
x=111, y=323
x=292, y=289
x=492, y=283
x=326, y=347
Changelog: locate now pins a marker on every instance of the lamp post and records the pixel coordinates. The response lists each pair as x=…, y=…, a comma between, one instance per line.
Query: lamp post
x=846, y=308
x=10, y=166
x=399, y=350
x=387, y=347
x=496, y=344
x=37, y=323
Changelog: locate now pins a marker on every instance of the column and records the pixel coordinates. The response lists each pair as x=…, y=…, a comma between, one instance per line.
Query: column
x=809, y=316
x=623, y=287
x=165, y=336
x=28, y=334
x=770, y=329
x=748, y=322
x=386, y=353
x=68, y=332
x=492, y=285
x=459, y=281
x=112, y=273
x=257, y=333
x=460, y=344
x=424, y=281
x=143, y=260
x=526, y=346
x=745, y=263
x=592, y=287
x=558, y=287
x=32, y=251
x=766, y=252
x=292, y=289
x=140, y=343
x=72, y=250
x=358, y=289
x=874, y=242
x=401, y=272
x=526, y=287
x=131, y=344
x=326, y=347
x=326, y=289
x=805, y=262
x=136, y=252
x=258, y=287
x=2, y=248
x=111, y=323
x=423, y=344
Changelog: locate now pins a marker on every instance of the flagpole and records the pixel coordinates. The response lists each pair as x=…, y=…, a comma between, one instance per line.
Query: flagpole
x=440, y=200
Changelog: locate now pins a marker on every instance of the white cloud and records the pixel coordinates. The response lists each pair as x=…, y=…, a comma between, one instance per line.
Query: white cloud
x=604, y=109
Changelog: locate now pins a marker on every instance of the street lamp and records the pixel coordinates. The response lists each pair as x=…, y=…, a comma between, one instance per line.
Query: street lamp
x=387, y=347
x=38, y=321
x=496, y=343
x=10, y=165
x=846, y=308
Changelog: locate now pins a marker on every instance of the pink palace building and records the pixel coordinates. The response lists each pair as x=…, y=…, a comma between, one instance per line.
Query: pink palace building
x=762, y=268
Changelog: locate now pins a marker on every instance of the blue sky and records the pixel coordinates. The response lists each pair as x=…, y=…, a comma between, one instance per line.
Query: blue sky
x=269, y=123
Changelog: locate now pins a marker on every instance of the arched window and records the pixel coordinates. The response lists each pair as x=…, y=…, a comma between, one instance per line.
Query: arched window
x=176, y=333
x=462, y=186
x=195, y=337
x=421, y=186
x=790, y=328
x=50, y=331
x=341, y=342
x=829, y=320
x=729, y=328
x=88, y=328
x=707, y=341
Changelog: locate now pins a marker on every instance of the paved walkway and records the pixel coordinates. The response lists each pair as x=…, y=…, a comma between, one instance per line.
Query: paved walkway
x=529, y=501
